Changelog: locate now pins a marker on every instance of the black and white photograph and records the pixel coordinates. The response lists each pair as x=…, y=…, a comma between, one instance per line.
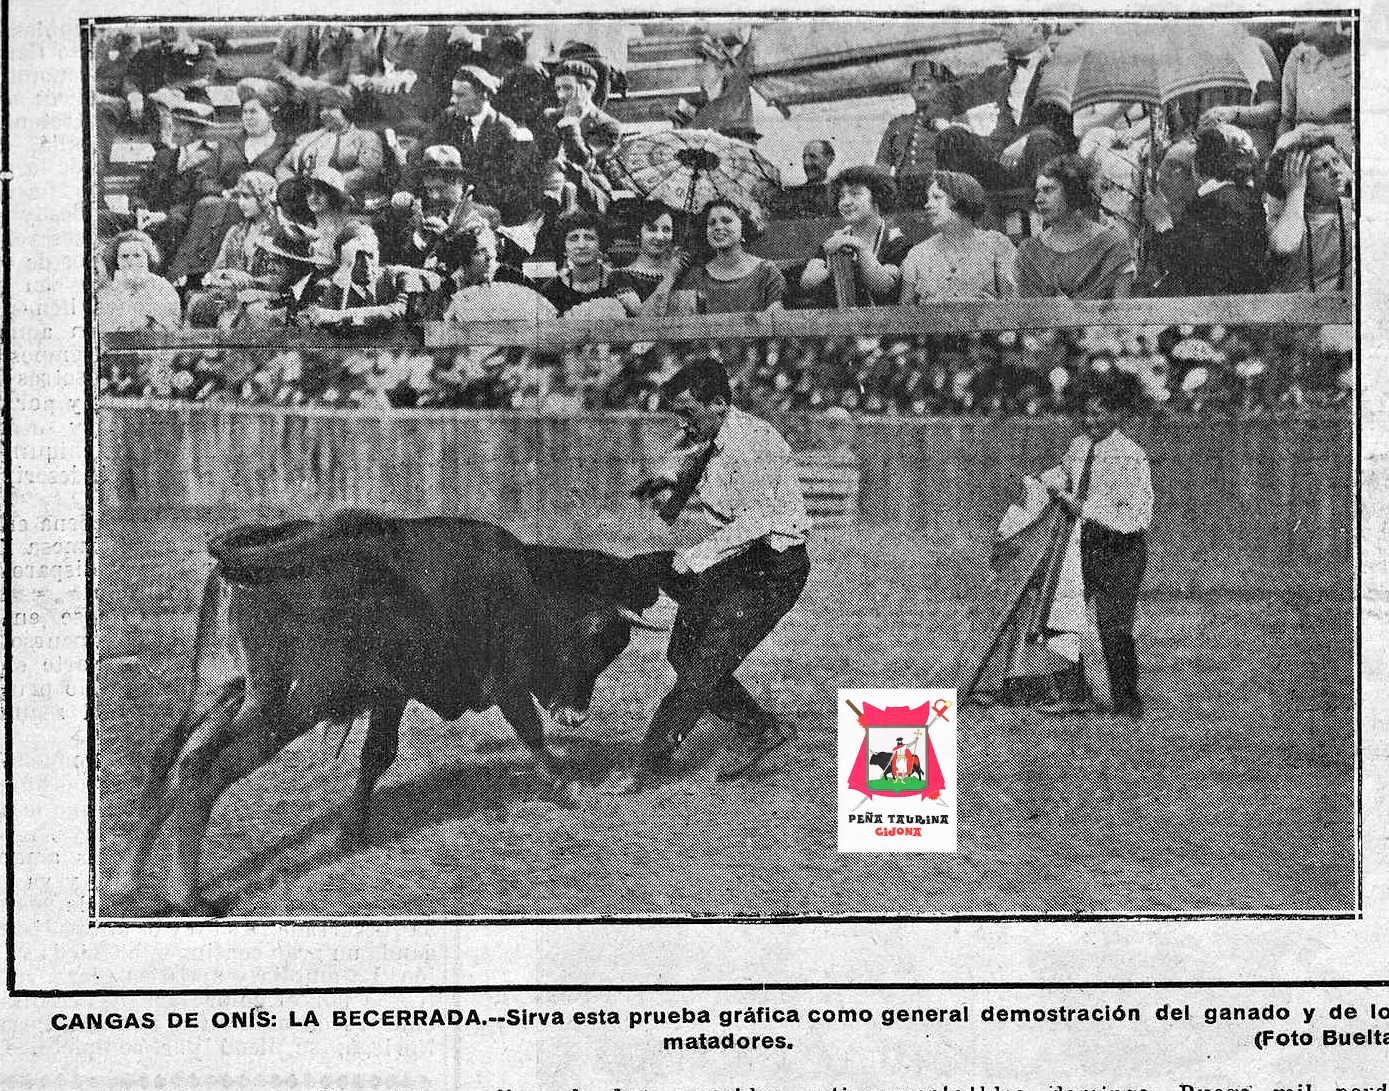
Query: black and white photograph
x=508, y=439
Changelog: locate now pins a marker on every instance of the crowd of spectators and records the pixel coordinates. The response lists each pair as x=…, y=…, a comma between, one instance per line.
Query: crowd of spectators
x=386, y=175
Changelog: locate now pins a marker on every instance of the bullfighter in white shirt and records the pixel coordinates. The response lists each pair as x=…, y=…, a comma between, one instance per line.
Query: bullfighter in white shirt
x=1115, y=481
x=735, y=585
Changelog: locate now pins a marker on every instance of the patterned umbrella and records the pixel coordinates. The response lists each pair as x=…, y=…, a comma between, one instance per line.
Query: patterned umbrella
x=685, y=169
x=1151, y=63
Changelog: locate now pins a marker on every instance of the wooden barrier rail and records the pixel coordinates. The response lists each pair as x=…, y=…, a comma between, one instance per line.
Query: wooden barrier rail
x=937, y=316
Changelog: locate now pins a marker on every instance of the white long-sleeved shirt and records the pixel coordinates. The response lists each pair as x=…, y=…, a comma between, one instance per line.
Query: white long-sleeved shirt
x=1120, y=495
x=750, y=491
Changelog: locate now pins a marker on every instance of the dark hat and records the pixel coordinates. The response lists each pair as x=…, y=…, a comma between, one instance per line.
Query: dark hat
x=480, y=78
x=440, y=159
x=511, y=46
x=292, y=242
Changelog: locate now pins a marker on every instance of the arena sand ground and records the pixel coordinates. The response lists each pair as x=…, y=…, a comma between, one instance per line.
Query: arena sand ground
x=1236, y=794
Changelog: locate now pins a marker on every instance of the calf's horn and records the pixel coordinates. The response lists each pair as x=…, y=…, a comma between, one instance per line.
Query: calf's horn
x=637, y=621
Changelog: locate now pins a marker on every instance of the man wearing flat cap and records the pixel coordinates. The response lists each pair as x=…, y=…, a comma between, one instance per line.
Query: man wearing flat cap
x=579, y=135
x=495, y=154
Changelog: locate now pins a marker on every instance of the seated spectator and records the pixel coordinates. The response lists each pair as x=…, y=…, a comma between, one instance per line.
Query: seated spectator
x=1311, y=218
x=585, y=275
x=525, y=92
x=539, y=238
x=634, y=284
x=178, y=177
x=497, y=156
x=137, y=298
x=875, y=248
x=358, y=155
x=960, y=260
x=723, y=275
x=908, y=146
x=397, y=86
x=478, y=297
x=171, y=66
x=811, y=200
x=1074, y=256
x=301, y=264
x=310, y=57
x=1319, y=82
x=417, y=223
x=360, y=292
x=1220, y=244
x=258, y=147
x=245, y=275
x=1027, y=133
x=322, y=206
x=579, y=135
x=261, y=144
x=118, y=98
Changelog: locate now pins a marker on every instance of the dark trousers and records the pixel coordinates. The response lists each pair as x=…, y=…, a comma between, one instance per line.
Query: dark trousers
x=1112, y=566
x=725, y=612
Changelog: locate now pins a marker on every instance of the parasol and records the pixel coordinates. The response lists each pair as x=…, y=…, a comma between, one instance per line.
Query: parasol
x=1151, y=63
x=685, y=169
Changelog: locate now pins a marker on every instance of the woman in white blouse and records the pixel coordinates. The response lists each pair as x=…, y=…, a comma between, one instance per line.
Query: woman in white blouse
x=960, y=260
x=137, y=298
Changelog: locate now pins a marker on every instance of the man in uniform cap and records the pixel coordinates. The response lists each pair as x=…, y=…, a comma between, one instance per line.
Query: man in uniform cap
x=908, y=147
x=494, y=153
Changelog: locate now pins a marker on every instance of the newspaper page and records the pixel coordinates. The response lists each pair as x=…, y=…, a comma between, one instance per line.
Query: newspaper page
x=702, y=548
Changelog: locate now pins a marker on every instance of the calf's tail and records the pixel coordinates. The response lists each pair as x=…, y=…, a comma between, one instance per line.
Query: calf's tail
x=208, y=607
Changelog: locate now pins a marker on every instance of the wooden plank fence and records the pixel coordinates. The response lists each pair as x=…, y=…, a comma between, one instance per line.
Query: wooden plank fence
x=1235, y=499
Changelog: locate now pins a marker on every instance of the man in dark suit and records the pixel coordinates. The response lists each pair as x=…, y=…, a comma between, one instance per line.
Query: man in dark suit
x=525, y=92
x=1219, y=243
x=579, y=135
x=497, y=155
x=1028, y=133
